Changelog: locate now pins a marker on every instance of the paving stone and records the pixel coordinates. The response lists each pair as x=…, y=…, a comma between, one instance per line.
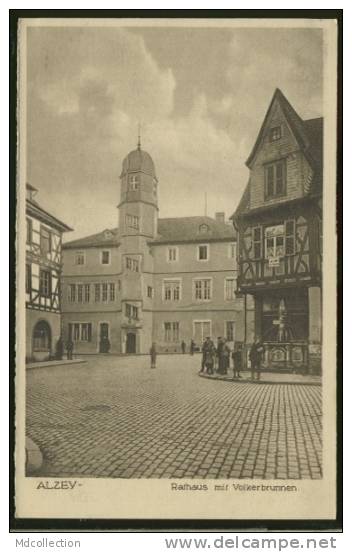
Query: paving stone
x=176, y=425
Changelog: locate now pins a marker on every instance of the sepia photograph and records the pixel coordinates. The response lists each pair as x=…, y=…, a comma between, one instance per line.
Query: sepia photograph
x=176, y=294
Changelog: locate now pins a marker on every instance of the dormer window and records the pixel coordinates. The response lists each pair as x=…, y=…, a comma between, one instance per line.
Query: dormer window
x=133, y=182
x=203, y=229
x=275, y=179
x=275, y=133
x=107, y=234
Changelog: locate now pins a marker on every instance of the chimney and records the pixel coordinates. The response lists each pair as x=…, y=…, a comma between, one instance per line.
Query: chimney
x=220, y=217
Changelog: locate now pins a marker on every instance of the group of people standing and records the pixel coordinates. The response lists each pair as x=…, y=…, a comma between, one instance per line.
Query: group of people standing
x=216, y=358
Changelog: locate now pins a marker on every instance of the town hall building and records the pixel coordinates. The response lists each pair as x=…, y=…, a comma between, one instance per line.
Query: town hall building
x=162, y=280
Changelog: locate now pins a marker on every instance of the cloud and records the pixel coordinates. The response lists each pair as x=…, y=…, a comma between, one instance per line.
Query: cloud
x=89, y=88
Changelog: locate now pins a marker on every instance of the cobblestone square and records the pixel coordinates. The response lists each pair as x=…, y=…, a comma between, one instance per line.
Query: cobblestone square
x=115, y=417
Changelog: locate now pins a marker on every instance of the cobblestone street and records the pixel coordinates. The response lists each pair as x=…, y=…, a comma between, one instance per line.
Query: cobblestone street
x=115, y=417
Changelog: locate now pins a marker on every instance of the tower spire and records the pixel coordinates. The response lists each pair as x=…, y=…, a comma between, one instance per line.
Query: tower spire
x=139, y=136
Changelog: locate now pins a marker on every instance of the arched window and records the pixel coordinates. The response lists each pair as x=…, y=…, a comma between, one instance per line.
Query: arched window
x=42, y=336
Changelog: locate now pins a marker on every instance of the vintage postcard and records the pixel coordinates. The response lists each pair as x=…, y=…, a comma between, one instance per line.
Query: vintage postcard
x=176, y=281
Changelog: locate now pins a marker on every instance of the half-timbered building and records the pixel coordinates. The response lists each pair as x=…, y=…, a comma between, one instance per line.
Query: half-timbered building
x=279, y=233
x=43, y=275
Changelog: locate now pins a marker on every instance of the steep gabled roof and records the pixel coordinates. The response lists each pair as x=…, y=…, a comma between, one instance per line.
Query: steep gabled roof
x=297, y=125
x=34, y=209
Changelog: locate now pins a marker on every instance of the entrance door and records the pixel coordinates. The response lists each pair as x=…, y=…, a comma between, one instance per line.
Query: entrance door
x=104, y=344
x=131, y=343
x=41, y=340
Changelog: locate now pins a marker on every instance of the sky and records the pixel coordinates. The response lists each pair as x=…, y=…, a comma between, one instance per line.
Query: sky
x=199, y=94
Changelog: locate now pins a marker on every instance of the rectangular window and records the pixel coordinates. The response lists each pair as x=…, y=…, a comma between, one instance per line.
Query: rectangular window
x=80, y=331
x=150, y=292
x=86, y=293
x=133, y=182
x=274, y=242
x=80, y=293
x=45, y=241
x=172, y=254
x=104, y=294
x=203, y=253
x=132, y=221
x=171, y=332
x=290, y=240
x=111, y=292
x=172, y=290
x=202, y=289
x=97, y=293
x=131, y=311
x=257, y=242
x=76, y=332
x=232, y=251
x=45, y=283
x=29, y=230
x=201, y=330
x=230, y=288
x=230, y=330
x=86, y=332
x=79, y=258
x=132, y=264
x=105, y=257
x=28, y=278
x=275, y=133
x=72, y=293
x=275, y=179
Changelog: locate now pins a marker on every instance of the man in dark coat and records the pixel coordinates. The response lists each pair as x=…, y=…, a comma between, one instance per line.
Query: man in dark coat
x=237, y=360
x=225, y=357
x=153, y=355
x=59, y=349
x=208, y=351
x=69, y=349
x=208, y=356
x=183, y=347
x=191, y=348
x=255, y=356
x=220, y=356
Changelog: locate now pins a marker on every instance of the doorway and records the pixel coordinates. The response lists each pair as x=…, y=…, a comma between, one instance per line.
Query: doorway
x=130, y=343
x=104, y=343
x=42, y=339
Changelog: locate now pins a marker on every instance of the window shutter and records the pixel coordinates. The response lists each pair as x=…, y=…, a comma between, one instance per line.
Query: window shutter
x=257, y=239
x=290, y=237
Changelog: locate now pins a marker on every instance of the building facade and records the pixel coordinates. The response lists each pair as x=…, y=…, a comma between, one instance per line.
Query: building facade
x=279, y=232
x=43, y=275
x=151, y=280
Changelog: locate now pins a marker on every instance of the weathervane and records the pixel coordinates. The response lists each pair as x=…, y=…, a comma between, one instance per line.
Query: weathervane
x=139, y=136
